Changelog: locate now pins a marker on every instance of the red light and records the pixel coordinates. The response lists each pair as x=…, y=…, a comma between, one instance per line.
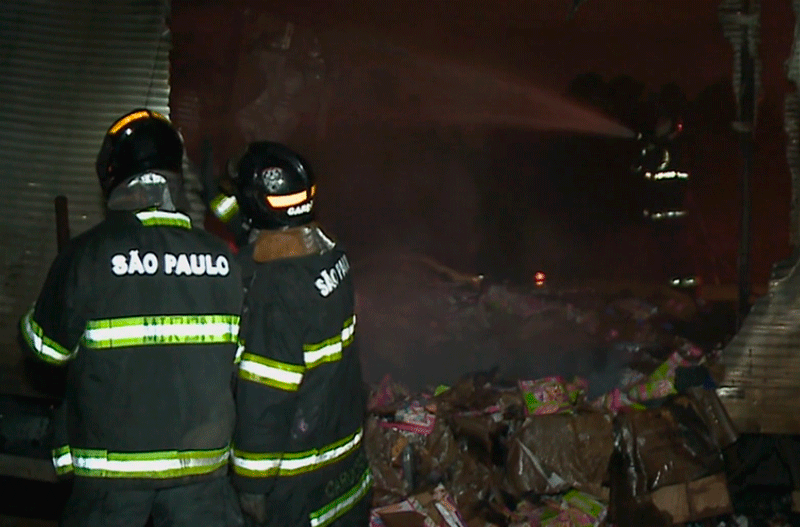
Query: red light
x=680, y=126
x=538, y=278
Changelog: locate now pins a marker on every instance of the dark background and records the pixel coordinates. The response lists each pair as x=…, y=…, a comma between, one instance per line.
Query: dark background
x=448, y=128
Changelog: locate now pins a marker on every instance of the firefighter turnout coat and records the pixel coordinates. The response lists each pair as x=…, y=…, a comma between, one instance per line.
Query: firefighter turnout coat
x=145, y=311
x=300, y=395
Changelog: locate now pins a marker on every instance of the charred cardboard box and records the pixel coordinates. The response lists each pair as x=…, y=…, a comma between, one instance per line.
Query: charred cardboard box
x=450, y=451
x=696, y=500
x=553, y=453
x=435, y=508
x=461, y=444
x=433, y=454
x=667, y=466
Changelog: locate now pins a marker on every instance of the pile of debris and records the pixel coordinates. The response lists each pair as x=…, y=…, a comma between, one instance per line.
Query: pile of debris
x=425, y=329
x=487, y=451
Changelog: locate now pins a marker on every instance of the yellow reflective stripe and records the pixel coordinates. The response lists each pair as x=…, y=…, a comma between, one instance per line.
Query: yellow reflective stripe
x=293, y=463
x=224, y=207
x=47, y=349
x=160, y=116
x=164, y=329
x=288, y=200
x=280, y=375
x=330, y=350
x=298, y=462
x=239, y=351
x=119, y=125
x=62, y=460
x=335, y=509
x=150, y=465
x=152, y=218
x=254, y=465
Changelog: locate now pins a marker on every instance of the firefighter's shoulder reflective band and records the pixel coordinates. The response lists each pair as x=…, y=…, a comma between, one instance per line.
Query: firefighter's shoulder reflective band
x=224, y=207
x=62, y=460
x=152, y=218
x=44, y=347
x=150, y=465
x=280, y=375
x=293, y=463
x=330, y=350
x=335, y=509
x=157, y=330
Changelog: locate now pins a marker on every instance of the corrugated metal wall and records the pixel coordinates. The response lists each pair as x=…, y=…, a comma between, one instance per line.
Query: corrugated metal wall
x=760, y=385
x=68, y=68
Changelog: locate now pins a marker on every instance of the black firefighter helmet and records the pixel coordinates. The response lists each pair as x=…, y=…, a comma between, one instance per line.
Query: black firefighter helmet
x=275, y=186
x=139, y=141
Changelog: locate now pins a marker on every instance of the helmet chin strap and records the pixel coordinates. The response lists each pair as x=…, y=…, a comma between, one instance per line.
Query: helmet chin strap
x=144, y=191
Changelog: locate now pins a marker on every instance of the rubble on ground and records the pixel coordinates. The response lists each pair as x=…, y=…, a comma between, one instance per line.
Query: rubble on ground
x=491, y=450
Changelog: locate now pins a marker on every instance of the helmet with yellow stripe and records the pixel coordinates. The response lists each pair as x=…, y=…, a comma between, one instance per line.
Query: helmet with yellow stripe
x=275, y=186
x=139, y=141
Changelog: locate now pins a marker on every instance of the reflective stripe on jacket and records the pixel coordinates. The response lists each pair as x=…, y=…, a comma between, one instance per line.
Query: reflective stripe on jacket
x=144, y=310
x=300, y=396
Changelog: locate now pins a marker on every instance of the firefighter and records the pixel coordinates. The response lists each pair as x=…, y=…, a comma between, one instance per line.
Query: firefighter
x=298, y=456
x=143, y=310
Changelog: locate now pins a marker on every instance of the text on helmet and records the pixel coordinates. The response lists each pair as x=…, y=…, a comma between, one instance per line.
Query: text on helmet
x=305, y=208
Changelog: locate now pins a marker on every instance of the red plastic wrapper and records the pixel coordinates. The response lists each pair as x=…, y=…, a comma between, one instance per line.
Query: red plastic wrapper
x=386, y=395
x=413, y=416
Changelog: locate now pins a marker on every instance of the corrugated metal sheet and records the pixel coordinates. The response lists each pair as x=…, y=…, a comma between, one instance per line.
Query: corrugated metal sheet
x=741, y=25
x=68, y=68
x=760, y=386
x=791, y=121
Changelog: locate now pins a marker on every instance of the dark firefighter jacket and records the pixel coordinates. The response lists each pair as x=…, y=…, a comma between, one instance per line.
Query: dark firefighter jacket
x=300, y=395
x=145, y=310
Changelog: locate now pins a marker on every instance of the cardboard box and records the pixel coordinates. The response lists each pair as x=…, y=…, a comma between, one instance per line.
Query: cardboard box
x=553, y=453
x=703, y=498
x=404, y=514
x=426, y=509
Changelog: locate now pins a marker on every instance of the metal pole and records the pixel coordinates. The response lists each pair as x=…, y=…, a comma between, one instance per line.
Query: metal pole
x=745, y=129
x=745, y=230
x=62, y=222
x=741, y=26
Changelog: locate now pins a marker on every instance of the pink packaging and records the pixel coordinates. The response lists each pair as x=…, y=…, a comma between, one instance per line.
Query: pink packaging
x=414, y=417
x=545, y=396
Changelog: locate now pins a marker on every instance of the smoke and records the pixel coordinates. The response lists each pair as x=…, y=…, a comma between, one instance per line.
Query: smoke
x=414, y=149
x=424, y=329
x=411, y=89
x=447, y=160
